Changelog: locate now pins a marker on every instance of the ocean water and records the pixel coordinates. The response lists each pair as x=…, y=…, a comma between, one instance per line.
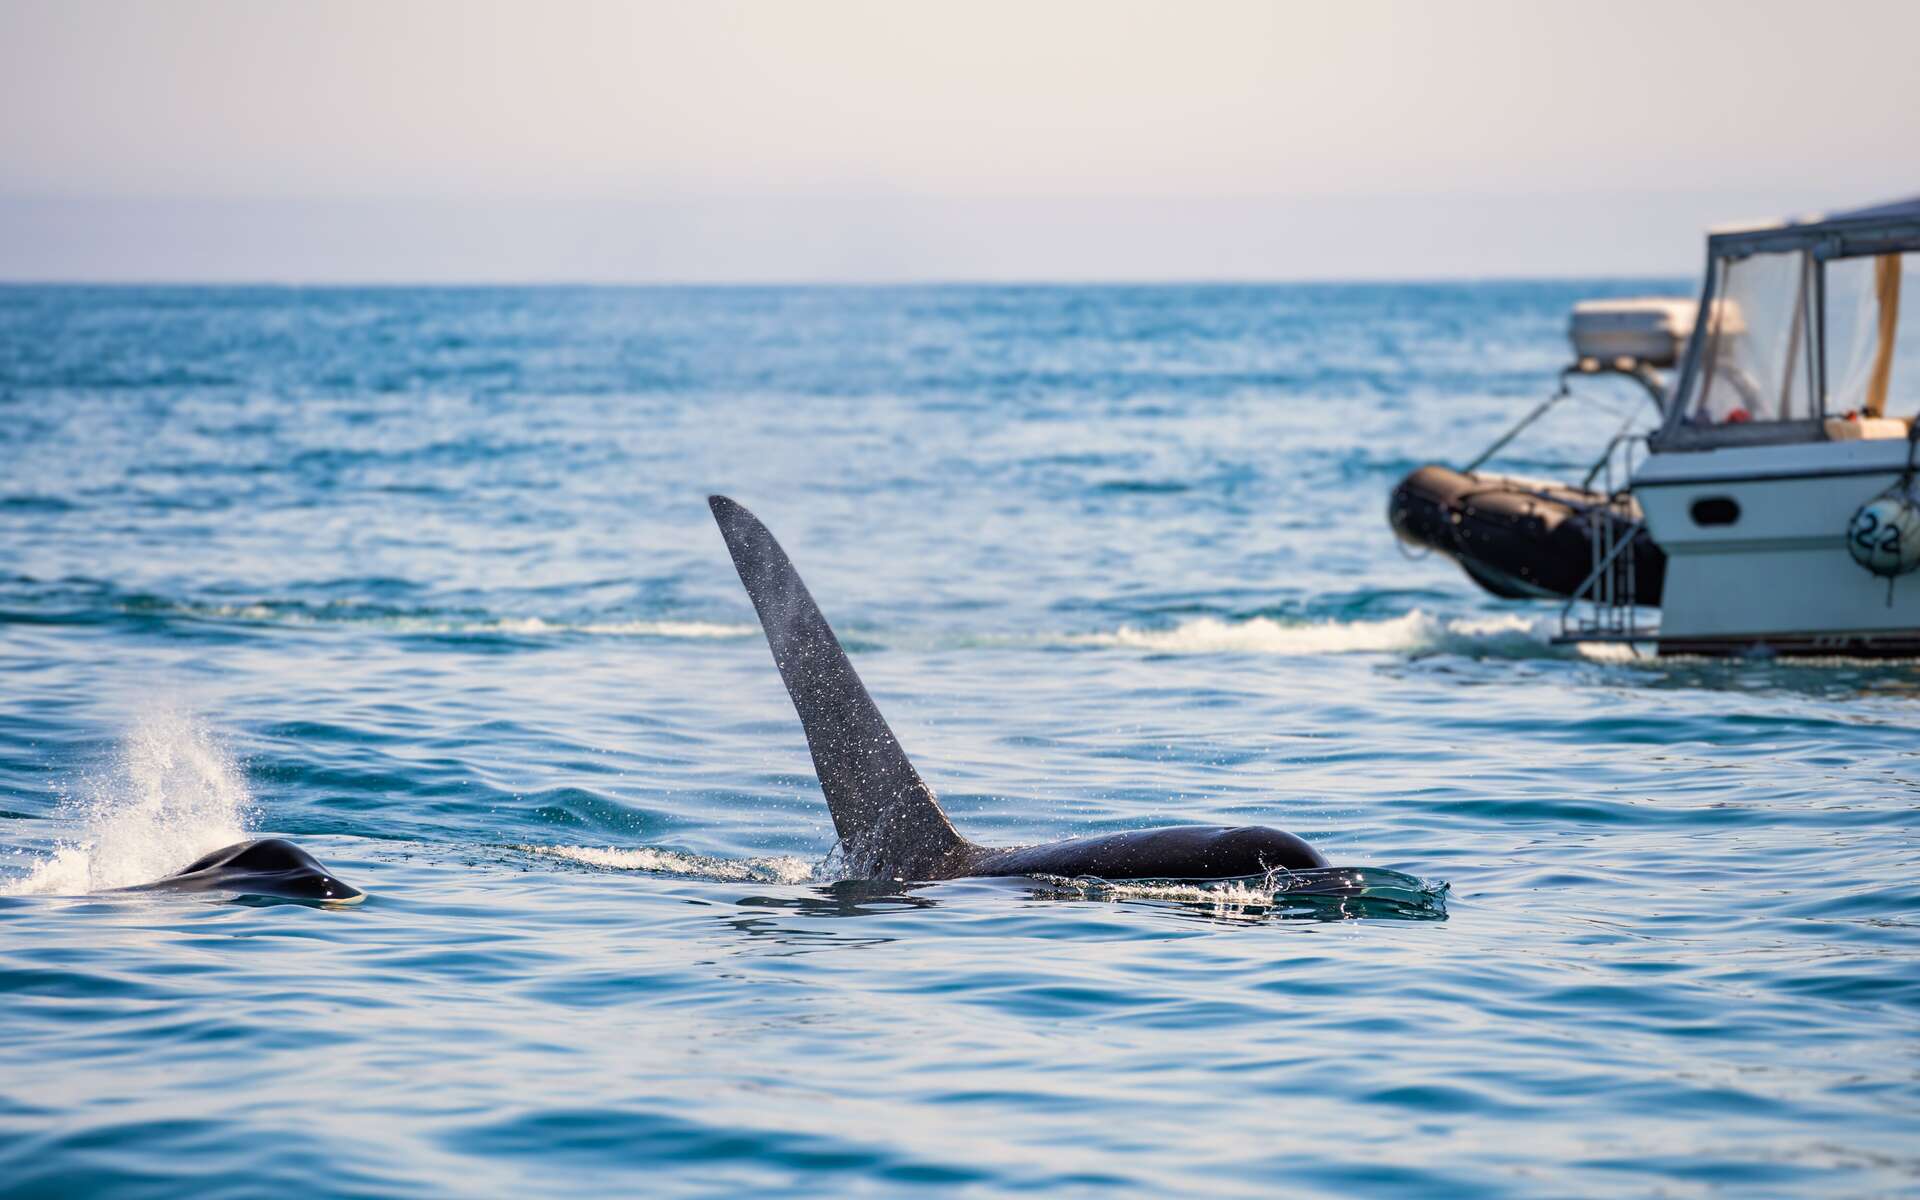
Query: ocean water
x=424, y=580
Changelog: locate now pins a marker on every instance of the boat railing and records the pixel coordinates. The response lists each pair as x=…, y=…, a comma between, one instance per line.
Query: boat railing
x=1629, y=368
x=1602, y=608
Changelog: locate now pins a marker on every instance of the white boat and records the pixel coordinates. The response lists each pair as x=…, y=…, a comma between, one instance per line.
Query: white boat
x=1772, y=508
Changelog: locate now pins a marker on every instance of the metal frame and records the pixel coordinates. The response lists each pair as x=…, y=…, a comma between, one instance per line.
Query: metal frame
x=1610, y=586
x=1696, y=346
x=1840, y=237
x=1820, y=330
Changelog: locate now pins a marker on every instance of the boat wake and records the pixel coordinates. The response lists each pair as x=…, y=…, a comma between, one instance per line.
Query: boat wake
x=172, y=793
x=1416, y=632
x=1503, y=635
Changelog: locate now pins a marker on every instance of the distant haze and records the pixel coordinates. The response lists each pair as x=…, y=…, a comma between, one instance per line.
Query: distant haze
x=608, y=142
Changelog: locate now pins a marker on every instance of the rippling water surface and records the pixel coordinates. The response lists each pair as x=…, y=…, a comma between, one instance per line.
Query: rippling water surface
x=424, y=581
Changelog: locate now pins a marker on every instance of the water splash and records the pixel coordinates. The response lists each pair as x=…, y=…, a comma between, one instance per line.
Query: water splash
x=1325, y=893
x=172, y=793
x=776, y=869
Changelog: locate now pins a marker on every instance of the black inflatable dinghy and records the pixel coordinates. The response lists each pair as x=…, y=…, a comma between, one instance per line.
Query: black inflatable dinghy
x=1521, y=538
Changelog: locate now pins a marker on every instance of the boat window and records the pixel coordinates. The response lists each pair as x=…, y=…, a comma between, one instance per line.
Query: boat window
x=1873, y=336
x=1756, y=363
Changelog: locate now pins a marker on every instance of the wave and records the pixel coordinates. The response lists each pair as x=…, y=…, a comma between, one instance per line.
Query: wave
x=1508, y=635
x=537, y=626
x=441, y=623
x=1416, y=632
x=776, y=869
x=172, y=793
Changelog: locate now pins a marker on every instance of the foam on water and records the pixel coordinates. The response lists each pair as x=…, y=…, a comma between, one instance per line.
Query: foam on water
x=172, y=793
x=1416, y=632
x=776, y=869
x=661, y=629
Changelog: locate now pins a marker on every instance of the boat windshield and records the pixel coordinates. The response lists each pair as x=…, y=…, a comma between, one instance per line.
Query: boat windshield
x=1792, y=338
x=1756, y=363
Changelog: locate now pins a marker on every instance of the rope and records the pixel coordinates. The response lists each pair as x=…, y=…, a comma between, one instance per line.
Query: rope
x=1539, y=411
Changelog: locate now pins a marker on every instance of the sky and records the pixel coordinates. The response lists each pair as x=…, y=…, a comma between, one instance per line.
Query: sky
x=844, y=140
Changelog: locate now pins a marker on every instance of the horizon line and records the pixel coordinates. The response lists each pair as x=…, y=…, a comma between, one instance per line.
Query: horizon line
x=873, y=283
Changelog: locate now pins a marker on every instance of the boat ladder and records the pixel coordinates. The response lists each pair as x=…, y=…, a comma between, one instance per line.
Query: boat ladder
x=1601, y=609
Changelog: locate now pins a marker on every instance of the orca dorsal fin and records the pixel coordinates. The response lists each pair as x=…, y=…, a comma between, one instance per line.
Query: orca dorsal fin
x=889, y=823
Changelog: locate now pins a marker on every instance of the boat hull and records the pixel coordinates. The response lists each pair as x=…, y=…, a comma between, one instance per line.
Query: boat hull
x=1757, y=557
x=1880, y=643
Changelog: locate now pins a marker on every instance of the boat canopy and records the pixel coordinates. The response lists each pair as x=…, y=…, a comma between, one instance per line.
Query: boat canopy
x=1800, y=332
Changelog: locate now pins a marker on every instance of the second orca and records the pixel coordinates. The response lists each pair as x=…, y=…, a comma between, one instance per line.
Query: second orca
x=269, y=867
x=889, y=823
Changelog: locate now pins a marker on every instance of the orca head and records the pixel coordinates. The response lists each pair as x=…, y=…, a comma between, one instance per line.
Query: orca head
x=266, y=867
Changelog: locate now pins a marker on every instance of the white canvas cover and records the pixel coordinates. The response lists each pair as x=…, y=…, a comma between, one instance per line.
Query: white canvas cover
x=1873, y=340
x=1890, y=210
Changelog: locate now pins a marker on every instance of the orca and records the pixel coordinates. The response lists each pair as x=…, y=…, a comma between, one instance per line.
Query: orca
x=889, y=823
x=266, y=867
